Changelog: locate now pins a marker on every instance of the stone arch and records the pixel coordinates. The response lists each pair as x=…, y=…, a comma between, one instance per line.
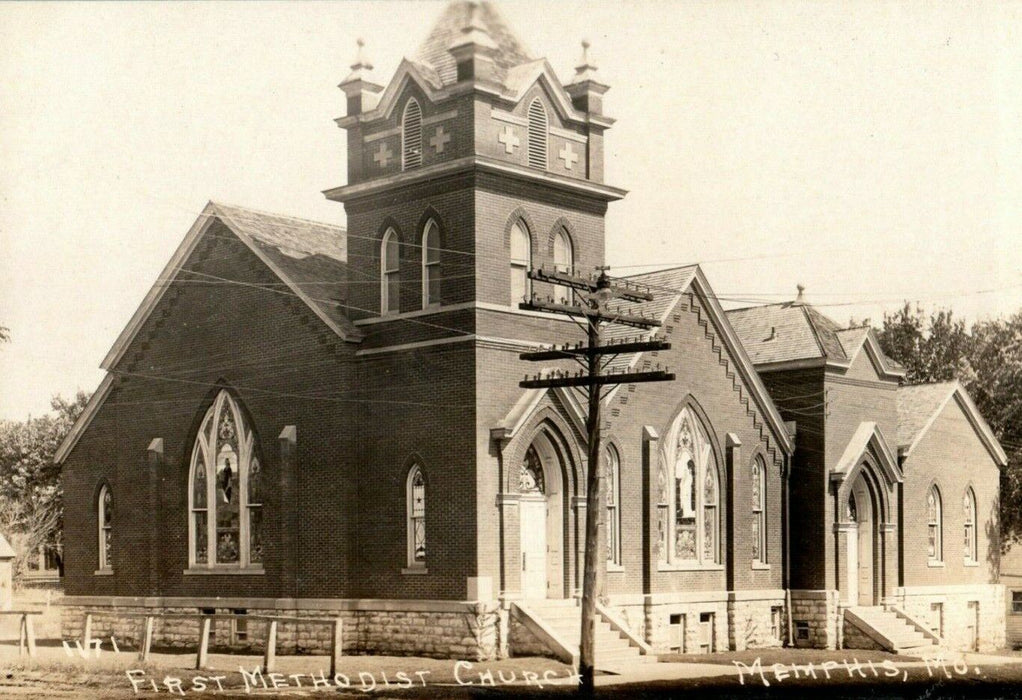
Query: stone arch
x=520, y=214
x=562, y=224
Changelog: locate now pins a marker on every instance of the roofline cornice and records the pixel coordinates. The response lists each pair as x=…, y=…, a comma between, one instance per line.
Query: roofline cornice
x=585, y=188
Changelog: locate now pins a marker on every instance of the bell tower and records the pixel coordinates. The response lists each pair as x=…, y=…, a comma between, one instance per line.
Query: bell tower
x=474, y=163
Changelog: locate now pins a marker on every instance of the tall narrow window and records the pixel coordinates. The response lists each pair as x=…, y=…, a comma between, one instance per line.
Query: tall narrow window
x=934, y=525
x=612, y=484
x=537, y=135
x=416, y=518
x=969, y=518
x=759, y=511
x=692, y=504
x=411, y=136
x=564, y=261
x=521, y=263
x=225, y=498
x=390, y=273
x=430, y=264
x=105, y=511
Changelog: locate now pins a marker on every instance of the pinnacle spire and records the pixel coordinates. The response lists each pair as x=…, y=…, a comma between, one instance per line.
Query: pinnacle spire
x=586, y=69
x=362, y=67
x=475, y=31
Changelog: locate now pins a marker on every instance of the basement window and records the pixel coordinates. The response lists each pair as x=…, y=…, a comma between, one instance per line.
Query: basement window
x=801, y=631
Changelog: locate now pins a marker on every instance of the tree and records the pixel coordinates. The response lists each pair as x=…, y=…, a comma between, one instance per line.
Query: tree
x=31, y=510
x=5, y=334
x=932, y=349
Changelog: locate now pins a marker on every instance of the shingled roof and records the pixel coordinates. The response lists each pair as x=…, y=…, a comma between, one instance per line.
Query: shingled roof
x=785, y=332
x=433, y=52
x=920, y=404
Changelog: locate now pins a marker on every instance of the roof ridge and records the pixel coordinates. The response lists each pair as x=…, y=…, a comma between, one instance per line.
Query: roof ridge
x=287, y=217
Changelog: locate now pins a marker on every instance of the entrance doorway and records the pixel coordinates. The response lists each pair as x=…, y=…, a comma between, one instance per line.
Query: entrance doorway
x=862, y=583
x=541, y=521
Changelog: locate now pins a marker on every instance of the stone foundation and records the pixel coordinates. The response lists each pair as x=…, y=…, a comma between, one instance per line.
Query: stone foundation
x=436, y=629
x=816, y=619
x=707, y=622
x=854, y=638
x=958, y=628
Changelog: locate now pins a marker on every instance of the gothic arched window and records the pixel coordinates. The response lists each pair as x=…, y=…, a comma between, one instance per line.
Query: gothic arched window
x=612, y=484
x=688, y=512
x=411, y=136
x=969, y=519
x=416, y=500
x=759, y=547
x=934, y=525
x=390, y=273
x=225, y=494
x=105, y=513
x=564, y=261
x=430, y=264
x=521, y=263
x=537, y=134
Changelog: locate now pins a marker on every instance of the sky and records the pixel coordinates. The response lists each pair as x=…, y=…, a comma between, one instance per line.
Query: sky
x=870, y=151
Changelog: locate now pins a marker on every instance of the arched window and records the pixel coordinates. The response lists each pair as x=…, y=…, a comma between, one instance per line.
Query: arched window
x=612, y=484
x=689, y=511
x=934, y=525
x=105, y=513
x=430, y=264
x=969, y=518
x=225, y=498
x=521, y=263
x=416, y=500
x=564, y=261
x=537, y=135
x=390, y=273
x=759, y=546
x=411, y=136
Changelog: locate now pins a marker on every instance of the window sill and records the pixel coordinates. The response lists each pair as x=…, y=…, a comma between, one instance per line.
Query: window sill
x=935, y=564
x=225, y=571
x=695, y=566
x=615, y=568
x=760, y=566
x=103, y=572
x=414, y=571
x=971, y=563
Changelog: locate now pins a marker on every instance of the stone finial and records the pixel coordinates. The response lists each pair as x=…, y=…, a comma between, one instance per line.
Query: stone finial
x=475, y=31
x=800, y=299
x=586, y=69
x=359, y=85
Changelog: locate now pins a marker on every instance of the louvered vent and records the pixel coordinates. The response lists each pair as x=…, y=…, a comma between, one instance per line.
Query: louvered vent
x=537, y=135
x=411, y=136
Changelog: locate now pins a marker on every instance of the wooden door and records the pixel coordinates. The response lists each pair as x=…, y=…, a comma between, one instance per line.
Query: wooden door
x=534, y=554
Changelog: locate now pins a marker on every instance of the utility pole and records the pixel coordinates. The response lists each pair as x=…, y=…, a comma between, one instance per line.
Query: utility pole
x=589, y=303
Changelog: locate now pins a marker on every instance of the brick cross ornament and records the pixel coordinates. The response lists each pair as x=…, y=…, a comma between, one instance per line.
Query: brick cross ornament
x=508, y=138
x=568, y=155
x=438, y=140
x=383, y=156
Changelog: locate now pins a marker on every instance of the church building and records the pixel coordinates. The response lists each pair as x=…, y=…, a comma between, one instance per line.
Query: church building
x=303, y=419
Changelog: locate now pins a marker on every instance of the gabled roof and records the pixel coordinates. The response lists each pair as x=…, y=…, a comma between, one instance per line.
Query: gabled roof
x=309, y=257
x=919, y=405
x=867, y=435
x=796, y=331
x=433, y=52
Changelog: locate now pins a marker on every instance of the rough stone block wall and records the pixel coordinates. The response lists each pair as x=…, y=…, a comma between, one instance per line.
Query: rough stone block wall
x=959, y=618
x=854, y=638
x=523, y=642
x=820, y=610
x=751, y=626
x=654, y=625
x=461, y=635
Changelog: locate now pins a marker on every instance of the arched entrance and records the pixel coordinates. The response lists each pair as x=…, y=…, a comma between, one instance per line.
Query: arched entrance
x=541, y=516
x=862, y=515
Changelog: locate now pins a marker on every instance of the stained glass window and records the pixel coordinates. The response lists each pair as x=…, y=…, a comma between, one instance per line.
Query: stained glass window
x=106, y=524
x=969, y=512
x=416, y=517
x=390, y=273
x=692, y=506
x=612, y=485
x=225, y=494
x=530, y=477
x=759, y=511
x=430, y=264
x=934, y=525
x=521, y=263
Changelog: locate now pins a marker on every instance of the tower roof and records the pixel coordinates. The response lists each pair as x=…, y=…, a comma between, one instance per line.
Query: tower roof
x=433, y=52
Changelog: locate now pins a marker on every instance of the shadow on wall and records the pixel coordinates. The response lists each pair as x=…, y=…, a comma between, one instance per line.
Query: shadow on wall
x=993, y=534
